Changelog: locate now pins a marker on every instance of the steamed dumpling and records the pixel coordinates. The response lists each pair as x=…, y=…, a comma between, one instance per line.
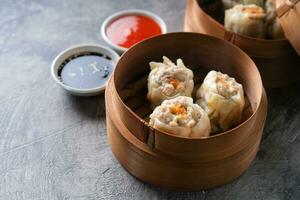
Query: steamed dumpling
x=223, y=100
x=168, y=80
x=274, y=30
x=180, y=116
x=248, y=20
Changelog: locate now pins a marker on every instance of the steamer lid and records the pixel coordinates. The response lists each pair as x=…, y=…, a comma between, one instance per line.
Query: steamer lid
x=288, y=12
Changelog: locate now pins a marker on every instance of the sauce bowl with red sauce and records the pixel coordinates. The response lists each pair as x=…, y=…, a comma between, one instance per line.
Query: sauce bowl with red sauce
x=126, y=28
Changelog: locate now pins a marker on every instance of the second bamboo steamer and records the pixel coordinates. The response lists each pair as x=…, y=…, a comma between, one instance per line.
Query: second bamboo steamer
x=277, y=60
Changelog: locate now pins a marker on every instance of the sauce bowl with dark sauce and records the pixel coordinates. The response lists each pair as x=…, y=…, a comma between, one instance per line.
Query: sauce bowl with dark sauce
x=85, y=69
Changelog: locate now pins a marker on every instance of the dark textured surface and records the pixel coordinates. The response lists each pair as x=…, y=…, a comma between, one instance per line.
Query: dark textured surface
x=54, y=146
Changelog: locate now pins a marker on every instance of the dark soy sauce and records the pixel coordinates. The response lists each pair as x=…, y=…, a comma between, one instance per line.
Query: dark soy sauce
x=86, y=70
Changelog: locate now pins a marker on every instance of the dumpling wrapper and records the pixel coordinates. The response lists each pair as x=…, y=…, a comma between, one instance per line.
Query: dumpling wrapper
x=259, y=3
x=248, y=20
x=223, y=100
x=230, y=3
x=274, y=29
x=181, y=117
x=168, y=80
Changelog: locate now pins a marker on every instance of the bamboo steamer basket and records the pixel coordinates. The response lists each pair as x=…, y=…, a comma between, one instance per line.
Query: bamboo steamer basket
x=277, y=60
x=170, y=161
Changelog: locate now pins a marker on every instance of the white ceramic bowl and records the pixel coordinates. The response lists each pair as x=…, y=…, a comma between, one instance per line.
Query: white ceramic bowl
x=111, y=18
x=66, y=54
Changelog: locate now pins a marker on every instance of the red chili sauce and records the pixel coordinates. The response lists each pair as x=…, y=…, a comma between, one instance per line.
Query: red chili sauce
x=128, y=30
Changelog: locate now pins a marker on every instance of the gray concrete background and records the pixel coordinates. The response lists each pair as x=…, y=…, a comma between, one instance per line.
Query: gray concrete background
x=54, y=146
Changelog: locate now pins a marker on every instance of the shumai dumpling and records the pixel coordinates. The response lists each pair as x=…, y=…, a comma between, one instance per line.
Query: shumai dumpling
x=168, y=80
x=248, y=20
x=180, y=116
x=223, y=100
x=274, y=29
